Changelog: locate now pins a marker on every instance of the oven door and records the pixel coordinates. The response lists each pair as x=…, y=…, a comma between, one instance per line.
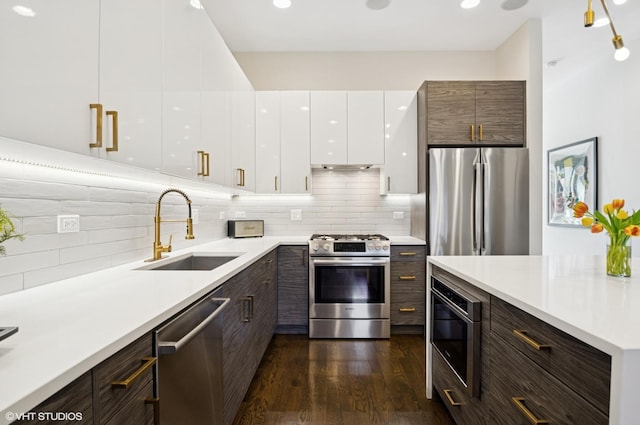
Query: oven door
x=457, y=339
x=349, y=288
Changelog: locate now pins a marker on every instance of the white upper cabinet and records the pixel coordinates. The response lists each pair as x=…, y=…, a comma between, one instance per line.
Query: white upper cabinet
x=268, y=142
x=365, y=127
x=49, y=72
x=347, y=127
x=328, y=127
x=243, y=134
x=183, y=27
x=400, y=171
x=282, y=142
x=131, y=81
x=295, y=135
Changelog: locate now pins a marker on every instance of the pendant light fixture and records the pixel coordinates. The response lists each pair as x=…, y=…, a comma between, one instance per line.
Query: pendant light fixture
x=621, y=53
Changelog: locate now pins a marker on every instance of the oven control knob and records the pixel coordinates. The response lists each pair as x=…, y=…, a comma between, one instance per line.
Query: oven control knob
x=378, y=246
x=315, y=247
x=370, y=247
x=385, y=247
x=326, y=247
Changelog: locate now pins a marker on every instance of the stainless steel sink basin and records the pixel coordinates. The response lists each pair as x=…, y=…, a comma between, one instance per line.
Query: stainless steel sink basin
x=193, y=261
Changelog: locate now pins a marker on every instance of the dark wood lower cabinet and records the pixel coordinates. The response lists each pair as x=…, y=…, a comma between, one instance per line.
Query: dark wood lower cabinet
x=293, y=289
x=522, y=392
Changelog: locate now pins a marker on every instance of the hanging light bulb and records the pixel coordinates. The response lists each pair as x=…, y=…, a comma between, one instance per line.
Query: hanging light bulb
x=622, y=53
x=282, y=4
x=619, y=2
x=469, y=4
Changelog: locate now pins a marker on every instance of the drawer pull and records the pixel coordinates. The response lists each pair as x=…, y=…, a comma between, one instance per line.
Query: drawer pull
x=447, y=394
x=408, y=254
x=147, y=362
x=407, y=309
x=519, y=402
x=407, y=278
x=522, y=335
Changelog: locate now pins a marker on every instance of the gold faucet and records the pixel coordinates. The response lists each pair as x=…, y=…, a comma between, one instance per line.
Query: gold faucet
x=158, y=248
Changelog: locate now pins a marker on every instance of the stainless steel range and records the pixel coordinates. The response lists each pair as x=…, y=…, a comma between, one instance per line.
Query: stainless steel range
x=349, y=286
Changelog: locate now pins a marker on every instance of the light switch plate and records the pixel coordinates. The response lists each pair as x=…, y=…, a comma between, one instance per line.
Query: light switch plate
x=398, y=215
x=241, y=214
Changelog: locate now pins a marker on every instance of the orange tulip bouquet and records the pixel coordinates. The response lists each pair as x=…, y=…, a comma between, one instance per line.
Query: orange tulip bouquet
x=619, y=225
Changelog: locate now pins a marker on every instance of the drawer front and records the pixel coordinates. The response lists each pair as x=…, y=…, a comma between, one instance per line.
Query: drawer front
x=407, y=304
x=409, y=272
x=122, y=366
x=464, y=409
x=408, y=253
x=138, y=410
x=578, y=365
x=538, y=394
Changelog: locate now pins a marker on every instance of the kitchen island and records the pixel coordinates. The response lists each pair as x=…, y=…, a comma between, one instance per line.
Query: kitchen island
x=572, y=294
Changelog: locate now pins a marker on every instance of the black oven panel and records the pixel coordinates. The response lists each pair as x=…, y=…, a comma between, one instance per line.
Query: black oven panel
x=349, y=247
x=455, y=332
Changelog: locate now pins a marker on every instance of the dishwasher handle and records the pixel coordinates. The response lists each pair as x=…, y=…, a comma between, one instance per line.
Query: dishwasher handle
x=172, y=347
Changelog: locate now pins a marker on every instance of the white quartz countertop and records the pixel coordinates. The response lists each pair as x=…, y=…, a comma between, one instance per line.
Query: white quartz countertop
x=68, y=327
x=574, y=294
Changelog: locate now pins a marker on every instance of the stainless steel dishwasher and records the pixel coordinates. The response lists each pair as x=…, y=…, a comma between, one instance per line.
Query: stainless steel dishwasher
x=189, y=369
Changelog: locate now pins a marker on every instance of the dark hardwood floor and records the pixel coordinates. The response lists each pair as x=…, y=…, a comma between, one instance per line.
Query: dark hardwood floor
x=341, y=382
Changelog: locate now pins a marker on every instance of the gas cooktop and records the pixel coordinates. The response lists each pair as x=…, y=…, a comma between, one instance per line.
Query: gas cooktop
x=348, y=237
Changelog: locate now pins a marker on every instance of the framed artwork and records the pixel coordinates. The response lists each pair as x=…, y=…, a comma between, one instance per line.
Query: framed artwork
x=572, y=178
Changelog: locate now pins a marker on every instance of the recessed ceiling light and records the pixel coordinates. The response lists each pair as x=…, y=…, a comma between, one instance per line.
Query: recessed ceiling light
x=282, y=4
x=513, y=4
x=469, y=4
x=377, y=4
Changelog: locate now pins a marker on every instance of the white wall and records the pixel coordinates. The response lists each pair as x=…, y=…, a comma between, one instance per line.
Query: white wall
x=598, y=98
x=362, y=71
x=520, y=58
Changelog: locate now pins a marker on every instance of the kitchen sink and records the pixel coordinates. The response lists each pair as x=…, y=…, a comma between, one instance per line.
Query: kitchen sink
x=193, y=261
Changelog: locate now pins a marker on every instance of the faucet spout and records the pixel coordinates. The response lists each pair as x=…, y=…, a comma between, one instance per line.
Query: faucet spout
x=158, y=247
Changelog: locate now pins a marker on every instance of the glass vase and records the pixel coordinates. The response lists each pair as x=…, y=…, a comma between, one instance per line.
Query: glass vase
x=619, y=260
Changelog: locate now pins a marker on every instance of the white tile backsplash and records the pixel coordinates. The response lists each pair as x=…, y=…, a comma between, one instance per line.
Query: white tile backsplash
x=116, y=214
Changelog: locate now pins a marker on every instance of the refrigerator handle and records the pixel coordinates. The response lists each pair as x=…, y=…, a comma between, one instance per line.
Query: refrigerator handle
x=474, y=218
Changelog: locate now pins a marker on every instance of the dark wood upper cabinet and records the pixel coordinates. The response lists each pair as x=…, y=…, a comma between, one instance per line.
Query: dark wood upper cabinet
x=472, y=113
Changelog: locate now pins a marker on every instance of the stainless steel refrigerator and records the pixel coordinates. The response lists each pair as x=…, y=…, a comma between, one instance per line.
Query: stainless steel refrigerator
x=478, y=201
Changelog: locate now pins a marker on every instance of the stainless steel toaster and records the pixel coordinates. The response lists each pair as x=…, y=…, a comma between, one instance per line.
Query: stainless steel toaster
x=245, y=228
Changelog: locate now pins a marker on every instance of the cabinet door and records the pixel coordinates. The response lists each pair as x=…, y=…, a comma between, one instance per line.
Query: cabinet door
x=365, y=127
x=181, y=109
x=268, y=142
x=400, y=172
x=450, y=112
x=500, y=109
x=295, y=135
x=49, y=75
x=293, y=286
x=243, y=137
x=328, y=127
x=131, y=81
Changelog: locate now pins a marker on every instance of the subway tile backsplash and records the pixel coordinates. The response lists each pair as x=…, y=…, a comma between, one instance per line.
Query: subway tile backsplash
x=116, y=214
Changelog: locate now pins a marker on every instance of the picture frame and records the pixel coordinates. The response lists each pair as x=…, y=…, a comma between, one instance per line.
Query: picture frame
x=573, y=173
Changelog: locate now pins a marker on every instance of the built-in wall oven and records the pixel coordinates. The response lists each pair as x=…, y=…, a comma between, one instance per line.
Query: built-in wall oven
x=349, y=288
x=455, y=332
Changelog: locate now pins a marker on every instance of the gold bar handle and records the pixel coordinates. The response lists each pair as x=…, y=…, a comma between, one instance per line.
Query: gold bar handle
x=389, y=184
x=275, y=183
x=206, y=155
x=408, y=254
x=98, y=108
x=114, y=131
x=407, y=309
x=519, y=402
x=472, y=133
x=202, y=164
x=447, y=394
x=480, y=130
x=147, y=362
x=240, y=176
x=407, y=278
x=306, y=183
x=522, y=335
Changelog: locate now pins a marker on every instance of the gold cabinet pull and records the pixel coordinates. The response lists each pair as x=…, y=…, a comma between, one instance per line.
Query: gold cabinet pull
x=407, y=278
x=147, y=362
x=407, y=309
x=275, y=183
x=306, y=183
x=480, y=131
x=522, y=335
x=472, y=133
x=519, y=402
x=408, y=254
x=114, y=131
x=240, y=176
x=98, y=108
x=204, y=163
x=389, y=184
x=447, y=394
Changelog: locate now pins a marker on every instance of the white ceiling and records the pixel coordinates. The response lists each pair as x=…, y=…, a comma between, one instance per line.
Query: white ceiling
x=413, y=25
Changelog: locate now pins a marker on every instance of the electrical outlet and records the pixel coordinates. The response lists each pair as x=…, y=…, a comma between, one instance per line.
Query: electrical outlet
x=68, y=223
x=222, y=215
x=241, y=214
x=398, y=215
x=296, y=215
